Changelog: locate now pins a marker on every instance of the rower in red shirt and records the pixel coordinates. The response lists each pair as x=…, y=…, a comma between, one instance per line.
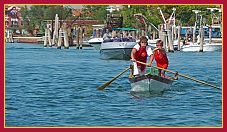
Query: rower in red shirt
x=160, y=57
x=140, y=52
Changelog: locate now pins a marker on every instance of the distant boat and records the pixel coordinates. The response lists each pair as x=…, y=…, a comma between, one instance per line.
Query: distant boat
x=213, y=40
x=189, y=46
x=97, y=39
x=216, y=39
x=206, y=47
x=118, y=48
x=151, y=42
x=95, y=42
x=175, y=44
x=216, y=36
x=215, y=45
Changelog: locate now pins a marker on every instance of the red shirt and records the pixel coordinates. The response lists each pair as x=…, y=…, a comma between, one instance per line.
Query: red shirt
x=161, y=59
x=141, y=55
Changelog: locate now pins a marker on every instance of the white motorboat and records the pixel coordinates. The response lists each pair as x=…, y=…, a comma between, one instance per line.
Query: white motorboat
x=117, y=48
x=151, y=42
x=97, y=36
x=206, y=47
x=96, y=42
x=120, y=46
x=213, y=40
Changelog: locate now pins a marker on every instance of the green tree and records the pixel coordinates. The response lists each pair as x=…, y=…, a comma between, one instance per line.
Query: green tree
x=95, y=12
x=37, y=15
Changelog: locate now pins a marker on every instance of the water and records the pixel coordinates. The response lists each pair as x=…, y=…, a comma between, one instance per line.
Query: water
x=58, y=87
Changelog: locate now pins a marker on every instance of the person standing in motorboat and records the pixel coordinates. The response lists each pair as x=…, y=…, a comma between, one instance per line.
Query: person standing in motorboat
x=107, y=35
x=140, y=52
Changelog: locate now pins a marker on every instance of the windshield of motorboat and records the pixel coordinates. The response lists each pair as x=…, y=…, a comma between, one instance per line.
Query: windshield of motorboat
x=119, y=40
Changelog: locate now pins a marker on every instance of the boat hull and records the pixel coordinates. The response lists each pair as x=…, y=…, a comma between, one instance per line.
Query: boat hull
x=206, y=47
x=117, y=50
x=149, y=82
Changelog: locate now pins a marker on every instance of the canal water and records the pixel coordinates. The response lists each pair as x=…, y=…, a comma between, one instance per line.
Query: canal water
x=58, y=87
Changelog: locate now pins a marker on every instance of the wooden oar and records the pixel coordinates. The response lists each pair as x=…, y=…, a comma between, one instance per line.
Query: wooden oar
x=182, y=75
x=107, y=83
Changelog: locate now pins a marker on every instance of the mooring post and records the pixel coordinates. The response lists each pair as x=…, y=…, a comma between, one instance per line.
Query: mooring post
x=179, y=38
x=60, y=38
x=55, y=34
x=77, y=37
x=49, y=35
x=170, y=38
x=66, y=42
x=45, y=38
x=81, y=38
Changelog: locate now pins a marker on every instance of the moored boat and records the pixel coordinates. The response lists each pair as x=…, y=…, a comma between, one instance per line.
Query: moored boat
x=96, y=42
x=206, y=47
x=193, y=47
x=151, y=42
x=97, y=36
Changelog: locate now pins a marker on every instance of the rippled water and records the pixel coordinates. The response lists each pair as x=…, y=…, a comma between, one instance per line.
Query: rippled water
x=58, y=87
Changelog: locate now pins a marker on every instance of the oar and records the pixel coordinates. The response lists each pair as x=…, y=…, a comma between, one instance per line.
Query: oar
x=107, y=83
x=182, y=75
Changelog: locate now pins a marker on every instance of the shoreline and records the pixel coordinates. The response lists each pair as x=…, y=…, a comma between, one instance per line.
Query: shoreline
x=38, y=40
x=26, y=39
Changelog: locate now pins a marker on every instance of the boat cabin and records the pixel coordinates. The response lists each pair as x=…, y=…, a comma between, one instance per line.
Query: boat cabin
x=216, y=31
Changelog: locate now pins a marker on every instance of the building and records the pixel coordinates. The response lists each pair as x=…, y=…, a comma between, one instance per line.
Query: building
x=12, y=17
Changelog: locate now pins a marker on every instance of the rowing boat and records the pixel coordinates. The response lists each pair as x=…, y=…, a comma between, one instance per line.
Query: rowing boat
x=150, y=82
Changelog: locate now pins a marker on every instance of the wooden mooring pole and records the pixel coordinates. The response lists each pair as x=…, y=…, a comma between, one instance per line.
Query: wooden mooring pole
x=178, y=42
x=61, y=35
x=210, y=34
x=66, y=40
x=81, y=37
x=47, y=37
x=201, y=35
x=9, y=36
x=77, y=37
x=170, y=38
x=55, y=34
x=194, y=34
x=163, y=37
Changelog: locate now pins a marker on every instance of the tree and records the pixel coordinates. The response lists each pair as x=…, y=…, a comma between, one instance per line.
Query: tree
x=37, y=15
x=95, y=12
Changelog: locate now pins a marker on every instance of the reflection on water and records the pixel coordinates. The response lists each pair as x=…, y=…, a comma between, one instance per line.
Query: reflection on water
x=146, y=94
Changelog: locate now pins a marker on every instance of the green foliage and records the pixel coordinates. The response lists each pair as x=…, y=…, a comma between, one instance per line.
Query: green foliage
x=37, y=14
x=95, y=12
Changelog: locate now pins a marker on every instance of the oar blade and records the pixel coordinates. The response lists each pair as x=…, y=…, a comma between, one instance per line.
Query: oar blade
x=104, y=86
